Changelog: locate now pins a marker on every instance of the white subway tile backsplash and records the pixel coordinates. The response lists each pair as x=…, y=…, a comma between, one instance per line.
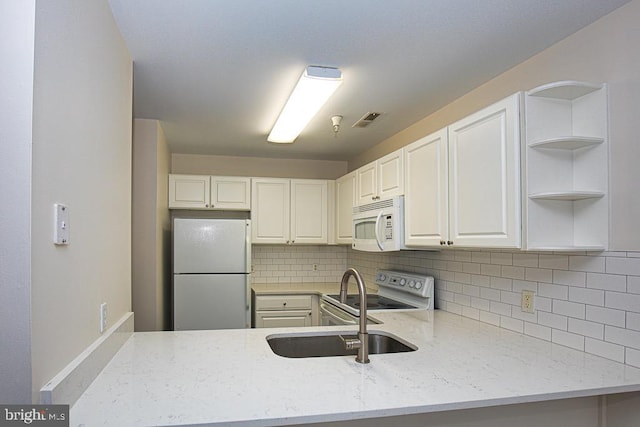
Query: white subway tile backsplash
x=606, y=316
x=567, y=339
x=538, y=331
x=513, y=272
x=630, y=266
x=569, y=278
x=500, y=308
x=501, y=258
x=622, y=301
x=587, y=302
x=633, y=321
x=607, y=282
x=538, y=275
x=553, y=291
x=554, y=262
x=586, y=296
x=491, y=318
x=570, y=309
x=632, y=357
x=625, y=337
x=480, y=304
x=604, y=349
x=586, y=328
x=501, y=283
x=633, y=284
x=512, y=324
x=587, y=263
x=552, y=320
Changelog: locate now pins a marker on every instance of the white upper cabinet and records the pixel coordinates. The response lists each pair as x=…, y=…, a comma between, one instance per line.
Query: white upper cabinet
x=308, y=211
x=566, y=204
x=289, y=211
x=231, y=192
x=345, y=201
x=189, y=192
x=381, y=179
x=426, y=209
x=209, y=192
x=484, y=177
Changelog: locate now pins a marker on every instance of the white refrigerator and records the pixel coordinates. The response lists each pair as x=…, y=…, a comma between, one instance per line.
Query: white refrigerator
x=211, y=274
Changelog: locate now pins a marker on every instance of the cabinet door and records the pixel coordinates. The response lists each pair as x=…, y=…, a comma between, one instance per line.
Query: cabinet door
x=390, y=175
x=270, y=210
x=283, y=319
x=367, y=184
x=426, y=209
x=231, y=192
x=189, y=191
x=345, y=200
x=484, y=177
x=309, y=211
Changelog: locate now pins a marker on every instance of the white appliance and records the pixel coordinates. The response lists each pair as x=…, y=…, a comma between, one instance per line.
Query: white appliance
x=397, y=290
x=379, y=226
x=211, y=274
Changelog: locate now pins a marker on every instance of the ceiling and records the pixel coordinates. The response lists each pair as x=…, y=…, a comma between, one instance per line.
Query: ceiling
x=217, y=73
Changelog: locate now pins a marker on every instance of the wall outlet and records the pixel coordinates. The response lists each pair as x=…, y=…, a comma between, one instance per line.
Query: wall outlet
x=315, y=267
x=527, y=301
x=103, y=316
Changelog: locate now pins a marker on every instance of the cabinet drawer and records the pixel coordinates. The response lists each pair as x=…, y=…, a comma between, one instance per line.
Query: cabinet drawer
x=283, y=302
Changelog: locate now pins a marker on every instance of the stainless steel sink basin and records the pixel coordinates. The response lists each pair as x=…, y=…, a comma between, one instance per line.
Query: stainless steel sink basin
x=332, y=344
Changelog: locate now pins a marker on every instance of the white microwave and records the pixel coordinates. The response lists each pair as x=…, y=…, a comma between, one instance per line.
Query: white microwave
x=379, y=226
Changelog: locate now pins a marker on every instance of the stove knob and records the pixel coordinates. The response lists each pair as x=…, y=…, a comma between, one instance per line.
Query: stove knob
x=403, y=282
x=418, y=285
x=411, y=283
x=382, y=277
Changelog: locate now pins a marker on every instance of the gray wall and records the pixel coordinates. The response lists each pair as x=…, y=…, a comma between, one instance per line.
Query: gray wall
x=16, y=103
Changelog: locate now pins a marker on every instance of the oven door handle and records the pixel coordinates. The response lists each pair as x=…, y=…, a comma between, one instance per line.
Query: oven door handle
x=334, y=313
x=377, y=226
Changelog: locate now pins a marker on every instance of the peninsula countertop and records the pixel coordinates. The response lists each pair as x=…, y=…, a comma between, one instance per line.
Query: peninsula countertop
x=232, y=376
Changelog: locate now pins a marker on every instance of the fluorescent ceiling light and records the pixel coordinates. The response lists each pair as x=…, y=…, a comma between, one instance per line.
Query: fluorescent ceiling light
x=313, y=89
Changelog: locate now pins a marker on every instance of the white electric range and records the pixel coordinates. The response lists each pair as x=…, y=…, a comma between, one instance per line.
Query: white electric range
x=397, y=290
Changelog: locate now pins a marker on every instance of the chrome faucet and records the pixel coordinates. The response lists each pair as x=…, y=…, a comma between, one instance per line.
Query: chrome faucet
x=362, y=342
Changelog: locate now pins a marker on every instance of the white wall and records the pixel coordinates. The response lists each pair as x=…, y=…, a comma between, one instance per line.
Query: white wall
x=81, y=157
x=150, y=227
x=605, y=51
x=16, y=103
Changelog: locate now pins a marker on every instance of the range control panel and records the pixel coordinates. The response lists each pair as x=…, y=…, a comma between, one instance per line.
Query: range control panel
x=411, y=283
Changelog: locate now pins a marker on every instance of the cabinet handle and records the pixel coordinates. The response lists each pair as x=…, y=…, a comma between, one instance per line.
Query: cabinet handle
x=206, y=206
x=287, y=242
x=293, y=241
x=442, y=242
x=449, y=242
x=284, y=303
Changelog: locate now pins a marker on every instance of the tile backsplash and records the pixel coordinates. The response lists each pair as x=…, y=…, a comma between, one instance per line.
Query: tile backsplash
x=590, y=302
x=298, y=263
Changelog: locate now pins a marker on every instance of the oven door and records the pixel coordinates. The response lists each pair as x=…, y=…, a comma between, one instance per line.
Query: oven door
x=332, y=316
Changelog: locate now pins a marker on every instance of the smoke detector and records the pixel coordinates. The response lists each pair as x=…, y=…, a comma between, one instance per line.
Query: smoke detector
x=366, y=120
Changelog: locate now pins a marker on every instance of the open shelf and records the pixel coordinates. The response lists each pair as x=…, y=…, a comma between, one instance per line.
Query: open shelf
x=567, y=195
x=565, y=164
x=568, y=89
x=567, y=142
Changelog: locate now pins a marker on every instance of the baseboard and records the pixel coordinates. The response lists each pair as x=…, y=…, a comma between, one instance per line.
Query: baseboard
x=69, y=384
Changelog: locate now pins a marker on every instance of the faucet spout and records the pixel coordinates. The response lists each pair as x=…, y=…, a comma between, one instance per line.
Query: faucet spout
x=363, y=336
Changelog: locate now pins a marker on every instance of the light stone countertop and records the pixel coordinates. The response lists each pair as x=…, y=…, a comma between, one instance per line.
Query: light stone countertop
x=232, y=376
x=303, y=288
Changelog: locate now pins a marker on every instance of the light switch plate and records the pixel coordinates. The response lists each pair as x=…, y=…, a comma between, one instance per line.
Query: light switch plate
x=61, y=224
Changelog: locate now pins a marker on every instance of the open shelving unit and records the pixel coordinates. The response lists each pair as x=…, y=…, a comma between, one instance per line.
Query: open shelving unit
x=565, y=166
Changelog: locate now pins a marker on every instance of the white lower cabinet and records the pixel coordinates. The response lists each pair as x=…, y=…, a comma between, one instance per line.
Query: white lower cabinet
x=289, y=211
x=462, y=183
x=277, y=311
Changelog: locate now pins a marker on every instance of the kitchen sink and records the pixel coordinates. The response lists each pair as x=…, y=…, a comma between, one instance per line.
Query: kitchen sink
x=332, y=344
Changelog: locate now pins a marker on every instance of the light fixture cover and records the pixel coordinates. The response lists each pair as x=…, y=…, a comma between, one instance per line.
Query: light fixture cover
x=315, y=86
